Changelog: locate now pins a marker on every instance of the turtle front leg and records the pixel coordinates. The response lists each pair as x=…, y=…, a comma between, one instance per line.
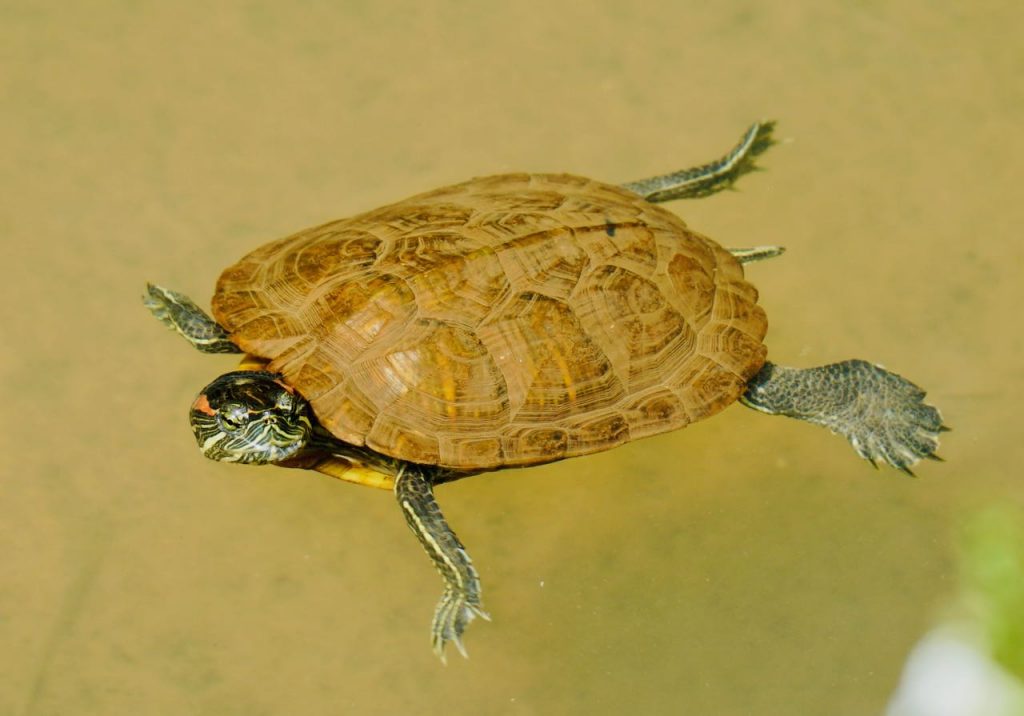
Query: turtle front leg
x=460, y=603
x=883, y=415
x=711, y=177
x=179, y=313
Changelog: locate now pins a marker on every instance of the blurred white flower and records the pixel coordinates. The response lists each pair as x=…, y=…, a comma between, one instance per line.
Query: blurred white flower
x=947, y=675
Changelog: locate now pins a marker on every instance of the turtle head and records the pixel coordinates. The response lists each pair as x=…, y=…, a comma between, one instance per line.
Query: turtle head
x=250, y=416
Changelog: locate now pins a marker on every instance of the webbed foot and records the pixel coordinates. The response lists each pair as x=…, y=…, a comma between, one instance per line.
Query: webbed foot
x=453, y=614
x=179, y=313
x=882, y=414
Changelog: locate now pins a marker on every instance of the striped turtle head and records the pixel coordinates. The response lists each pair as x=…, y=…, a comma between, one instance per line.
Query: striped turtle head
x=250, y=416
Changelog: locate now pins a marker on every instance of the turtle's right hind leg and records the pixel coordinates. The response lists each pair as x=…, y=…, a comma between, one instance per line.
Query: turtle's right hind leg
x=882, y=414
x=179, y=313
x=711, y=177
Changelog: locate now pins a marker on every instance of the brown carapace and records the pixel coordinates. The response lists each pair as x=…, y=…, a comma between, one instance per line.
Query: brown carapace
x=507, y=320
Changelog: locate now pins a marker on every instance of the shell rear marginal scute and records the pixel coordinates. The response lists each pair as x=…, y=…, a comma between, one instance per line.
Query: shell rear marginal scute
x=508, y=320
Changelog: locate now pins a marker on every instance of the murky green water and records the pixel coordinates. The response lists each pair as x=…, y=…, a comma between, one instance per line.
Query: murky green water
x=744, y=565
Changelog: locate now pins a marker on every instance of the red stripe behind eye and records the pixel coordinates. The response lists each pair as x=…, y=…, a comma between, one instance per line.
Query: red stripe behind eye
x=202, y=405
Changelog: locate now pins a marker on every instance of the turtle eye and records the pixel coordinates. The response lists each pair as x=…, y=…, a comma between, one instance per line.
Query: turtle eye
x=233, y=417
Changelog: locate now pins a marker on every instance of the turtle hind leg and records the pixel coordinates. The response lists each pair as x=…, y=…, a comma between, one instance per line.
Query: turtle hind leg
x=460, y=603
x=711, y=177
x=179, y=313
x=882, y=414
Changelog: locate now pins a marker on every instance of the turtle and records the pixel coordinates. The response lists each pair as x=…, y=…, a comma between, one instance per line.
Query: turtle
x=507, y=321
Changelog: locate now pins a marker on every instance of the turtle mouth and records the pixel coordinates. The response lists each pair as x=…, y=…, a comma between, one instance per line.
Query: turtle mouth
x=262, y=440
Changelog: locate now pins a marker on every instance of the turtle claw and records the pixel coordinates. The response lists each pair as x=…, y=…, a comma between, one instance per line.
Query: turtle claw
x=890, y=420
x=453, y=614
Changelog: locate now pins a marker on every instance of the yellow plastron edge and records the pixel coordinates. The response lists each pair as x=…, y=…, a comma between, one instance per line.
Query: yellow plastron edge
x=343, y=470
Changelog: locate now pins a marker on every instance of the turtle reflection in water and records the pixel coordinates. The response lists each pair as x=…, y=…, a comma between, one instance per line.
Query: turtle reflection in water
x=510, y=320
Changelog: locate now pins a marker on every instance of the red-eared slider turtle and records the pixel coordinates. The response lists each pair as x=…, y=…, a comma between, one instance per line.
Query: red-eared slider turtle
x=506, y=321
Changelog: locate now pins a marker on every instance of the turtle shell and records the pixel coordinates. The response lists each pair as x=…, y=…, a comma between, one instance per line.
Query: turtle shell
x=508, y=320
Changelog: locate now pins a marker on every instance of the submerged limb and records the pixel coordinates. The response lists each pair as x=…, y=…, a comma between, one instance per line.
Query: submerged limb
x=757, y=253
x=460, y=603
x=711, y=177
x=179, y=313
x=882, y=414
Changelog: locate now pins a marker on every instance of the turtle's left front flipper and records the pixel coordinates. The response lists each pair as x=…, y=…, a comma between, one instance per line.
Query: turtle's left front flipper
x=882, y=414
x=460, y=602
x=180, y=313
